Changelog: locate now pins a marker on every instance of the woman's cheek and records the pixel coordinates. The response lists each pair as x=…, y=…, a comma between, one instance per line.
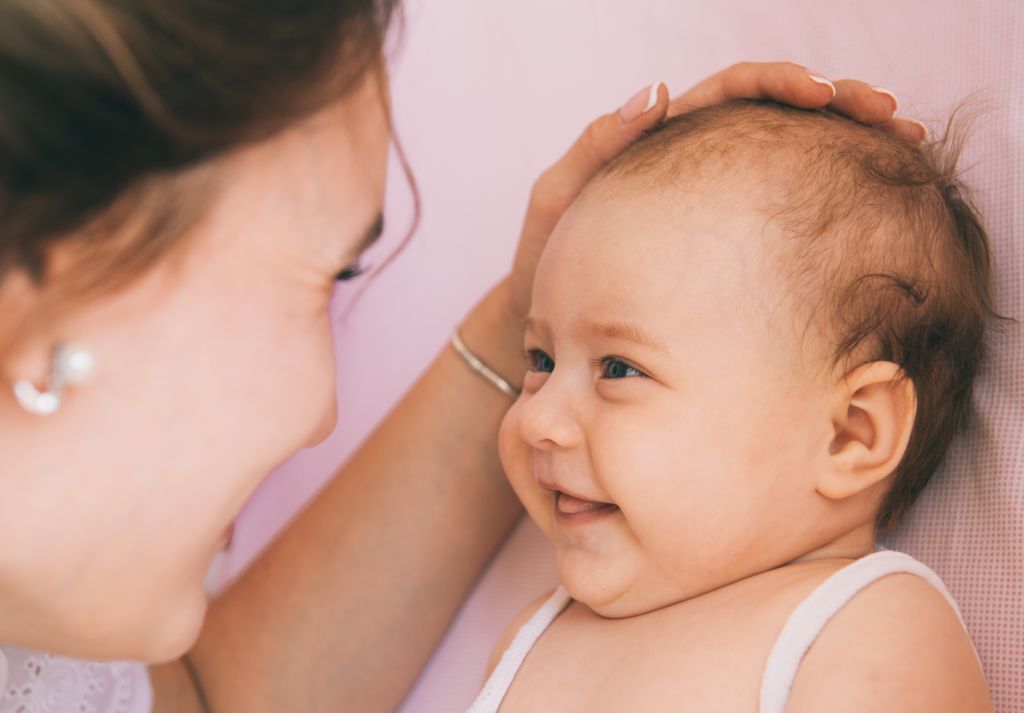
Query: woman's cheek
x=328, y=409
x=318, y=399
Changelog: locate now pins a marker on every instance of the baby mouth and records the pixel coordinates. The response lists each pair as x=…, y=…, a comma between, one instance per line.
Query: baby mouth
x=570, y=505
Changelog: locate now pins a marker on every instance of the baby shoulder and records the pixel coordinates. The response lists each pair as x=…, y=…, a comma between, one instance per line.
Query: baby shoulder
x=897, y=645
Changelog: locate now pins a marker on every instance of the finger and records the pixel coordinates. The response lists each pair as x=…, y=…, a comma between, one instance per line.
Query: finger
x=908, y=129
x=600, y=142
x=784, y=82
x=559, y=186
x=863, y=102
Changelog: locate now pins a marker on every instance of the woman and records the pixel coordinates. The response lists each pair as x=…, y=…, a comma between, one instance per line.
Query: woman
x=181, y=186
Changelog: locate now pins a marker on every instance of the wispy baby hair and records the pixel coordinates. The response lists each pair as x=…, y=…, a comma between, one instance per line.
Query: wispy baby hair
x=883, y=248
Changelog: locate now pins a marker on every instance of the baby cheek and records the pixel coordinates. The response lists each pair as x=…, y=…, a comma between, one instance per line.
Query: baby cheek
x=661, y=475
x=631, y=456
x=508, y=440
x=514, y=451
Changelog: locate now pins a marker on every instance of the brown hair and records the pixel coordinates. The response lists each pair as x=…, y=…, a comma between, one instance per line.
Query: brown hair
x=110, y=112
x=886, y=250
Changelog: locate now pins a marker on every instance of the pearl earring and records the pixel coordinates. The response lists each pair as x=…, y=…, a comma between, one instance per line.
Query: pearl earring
x=71, y=365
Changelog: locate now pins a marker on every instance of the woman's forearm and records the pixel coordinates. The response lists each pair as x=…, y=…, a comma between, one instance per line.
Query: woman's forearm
x=344, y=609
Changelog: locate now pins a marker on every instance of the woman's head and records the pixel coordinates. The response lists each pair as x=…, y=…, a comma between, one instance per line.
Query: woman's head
x=108, y=102
x=179, y=183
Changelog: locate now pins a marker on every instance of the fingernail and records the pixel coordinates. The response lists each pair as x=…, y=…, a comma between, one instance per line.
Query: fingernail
x=821, y=80
x=640, y=103
x=924, y=129
x=886, y=92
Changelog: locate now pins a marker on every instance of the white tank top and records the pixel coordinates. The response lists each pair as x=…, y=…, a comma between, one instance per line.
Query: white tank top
x=799, y=632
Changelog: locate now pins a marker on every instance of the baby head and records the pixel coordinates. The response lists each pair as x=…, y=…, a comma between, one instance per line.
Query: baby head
x=751, y=341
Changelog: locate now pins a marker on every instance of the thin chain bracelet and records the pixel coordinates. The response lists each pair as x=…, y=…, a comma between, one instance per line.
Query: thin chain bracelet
x=480, y=368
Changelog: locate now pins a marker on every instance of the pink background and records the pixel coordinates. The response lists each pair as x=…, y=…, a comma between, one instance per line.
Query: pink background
x=487, y=94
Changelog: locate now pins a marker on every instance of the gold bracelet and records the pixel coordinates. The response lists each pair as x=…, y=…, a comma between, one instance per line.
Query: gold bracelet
x=480, y=368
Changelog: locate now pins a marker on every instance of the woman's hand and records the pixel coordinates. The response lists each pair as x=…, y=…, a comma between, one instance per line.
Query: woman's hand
x=783, y=82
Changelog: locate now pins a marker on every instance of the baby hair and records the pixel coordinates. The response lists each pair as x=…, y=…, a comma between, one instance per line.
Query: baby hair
x=883, y=248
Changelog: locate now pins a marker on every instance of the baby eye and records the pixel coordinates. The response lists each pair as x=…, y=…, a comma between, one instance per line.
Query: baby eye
x=536, y=360
x=612, y=368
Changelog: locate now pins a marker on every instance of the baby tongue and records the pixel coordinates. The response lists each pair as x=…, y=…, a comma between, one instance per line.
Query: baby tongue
x=569, y=505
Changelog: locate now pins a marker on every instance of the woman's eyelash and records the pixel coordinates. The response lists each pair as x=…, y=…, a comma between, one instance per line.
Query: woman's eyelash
x=350, y=273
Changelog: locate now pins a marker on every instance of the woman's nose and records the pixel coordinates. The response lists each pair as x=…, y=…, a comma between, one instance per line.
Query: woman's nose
x=547, y=419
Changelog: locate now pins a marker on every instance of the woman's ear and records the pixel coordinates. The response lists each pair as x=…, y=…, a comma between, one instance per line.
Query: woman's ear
x=21, y=356
x=874, y=416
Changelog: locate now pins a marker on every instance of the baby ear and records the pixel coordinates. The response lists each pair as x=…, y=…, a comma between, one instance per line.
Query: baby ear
x=872, y=422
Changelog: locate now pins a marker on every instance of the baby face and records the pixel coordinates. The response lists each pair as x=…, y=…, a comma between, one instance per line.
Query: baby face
x=668, y=423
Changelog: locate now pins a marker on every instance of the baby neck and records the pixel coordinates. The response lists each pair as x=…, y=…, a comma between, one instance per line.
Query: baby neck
x=852, y=545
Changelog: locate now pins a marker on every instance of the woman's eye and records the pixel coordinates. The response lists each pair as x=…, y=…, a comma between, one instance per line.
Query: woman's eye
x=617, y=369
x=349, y=273
x=536, y=360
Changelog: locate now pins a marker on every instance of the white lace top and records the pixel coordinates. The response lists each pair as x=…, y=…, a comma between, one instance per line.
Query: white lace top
x=32, y=682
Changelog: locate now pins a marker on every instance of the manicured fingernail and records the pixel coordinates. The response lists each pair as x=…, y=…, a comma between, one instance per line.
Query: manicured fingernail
x=640, y=103
x=821, y=80
x=886, y=92
x=924, y=129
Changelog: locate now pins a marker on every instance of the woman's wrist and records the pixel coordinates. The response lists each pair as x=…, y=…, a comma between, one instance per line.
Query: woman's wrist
x=493, y=331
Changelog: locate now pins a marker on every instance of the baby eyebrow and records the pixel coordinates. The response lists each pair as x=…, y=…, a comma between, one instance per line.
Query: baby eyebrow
x=623, y=331
x=535, y=325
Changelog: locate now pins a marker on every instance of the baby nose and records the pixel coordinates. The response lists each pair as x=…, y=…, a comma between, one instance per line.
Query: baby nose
x=547, y=421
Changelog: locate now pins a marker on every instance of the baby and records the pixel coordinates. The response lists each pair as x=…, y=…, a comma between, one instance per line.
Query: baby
x=751, y=341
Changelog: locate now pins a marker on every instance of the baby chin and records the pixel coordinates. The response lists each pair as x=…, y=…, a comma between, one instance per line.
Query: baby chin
x=600, y=564
x=612, y=586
